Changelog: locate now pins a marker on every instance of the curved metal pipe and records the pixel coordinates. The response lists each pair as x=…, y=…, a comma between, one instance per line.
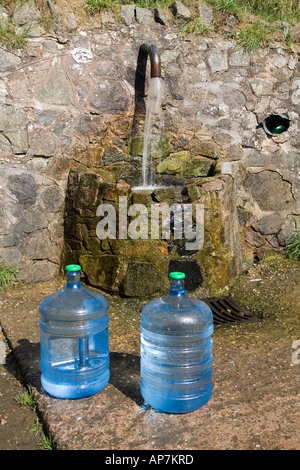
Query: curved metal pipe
x=149, y=49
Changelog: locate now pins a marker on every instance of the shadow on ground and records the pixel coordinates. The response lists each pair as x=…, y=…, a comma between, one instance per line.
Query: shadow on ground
x=124, y=369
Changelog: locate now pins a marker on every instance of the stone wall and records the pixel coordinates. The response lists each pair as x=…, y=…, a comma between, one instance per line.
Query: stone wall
x=68, y=103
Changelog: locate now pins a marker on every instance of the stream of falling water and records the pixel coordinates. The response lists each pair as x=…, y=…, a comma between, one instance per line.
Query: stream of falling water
x=153, y=110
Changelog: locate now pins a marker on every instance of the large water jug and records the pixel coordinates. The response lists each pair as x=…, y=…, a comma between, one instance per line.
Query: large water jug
x=176, y=350
x=74, y=340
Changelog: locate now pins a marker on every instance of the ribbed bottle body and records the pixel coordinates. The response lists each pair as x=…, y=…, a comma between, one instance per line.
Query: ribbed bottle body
x=176, y=371
x=74, y=341
x=74, y=359
x=176, y=354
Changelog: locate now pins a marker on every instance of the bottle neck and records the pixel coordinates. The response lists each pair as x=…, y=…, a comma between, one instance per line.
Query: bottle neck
x=73, y=280
x=177, y=288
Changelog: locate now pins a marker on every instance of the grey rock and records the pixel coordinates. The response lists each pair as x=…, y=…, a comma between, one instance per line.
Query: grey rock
x=52, y=199
x=230, y=23
x=240, y=58
x=56, y=90
x=31, y=220
x=286, y=160
x=38, y=271
x=25, y=12
x=46, y=117
x=296, y=91
x=110, y=98
x=180, y=11
x=255, y=158
x=5, y=145
x=249, y=120
x=127, y=14
x=280, y=61
x=261, y=86
x=270, y=191
x=4, y=17
x=71, y=22
x=8, y=61
x=269, y=224
x=42, y=145
x=243, y=215
x=218, y=60
x=145, y=16
x=38, y=246
x=10, y=256
x=34, y=29
x=288, y=229
x=159, y=16
x=233, y=98
x=9, y=240
x=13, y=124
x=3, y=91
x=206, y=14
x=24, y=187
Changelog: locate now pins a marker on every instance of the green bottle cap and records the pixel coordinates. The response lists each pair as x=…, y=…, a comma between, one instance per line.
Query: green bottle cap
x=177, y=275
x=73, y=267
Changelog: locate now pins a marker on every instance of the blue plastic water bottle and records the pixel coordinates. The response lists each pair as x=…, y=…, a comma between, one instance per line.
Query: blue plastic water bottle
x=176, y=357
x=74, y=340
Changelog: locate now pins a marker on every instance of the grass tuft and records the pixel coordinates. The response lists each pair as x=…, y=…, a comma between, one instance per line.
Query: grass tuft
x=194, y=26
x=8, y=276
x=254, y=36
x=9, y=36
x=27, y=399
x=292, y=250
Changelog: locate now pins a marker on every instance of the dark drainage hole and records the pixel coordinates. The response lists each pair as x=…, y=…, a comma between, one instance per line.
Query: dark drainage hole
x=226, y=311
x=275, y=124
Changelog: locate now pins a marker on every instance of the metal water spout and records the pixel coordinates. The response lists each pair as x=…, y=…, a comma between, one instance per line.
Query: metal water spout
x=149, y=49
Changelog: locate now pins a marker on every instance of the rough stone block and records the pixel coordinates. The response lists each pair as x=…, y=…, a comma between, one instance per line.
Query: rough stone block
x=270, y=191
x=164, y=194
x=101, y=271
x=180, y=11
x=145, y=16
x=56, y=89
x=127, y=14
x=218, y=60
x=206, y=14
x=254, y=238
x=173, y=163
x=141, y=280
x=197, y=167
x=261, y=86
x=269, y=224
x=24, y=187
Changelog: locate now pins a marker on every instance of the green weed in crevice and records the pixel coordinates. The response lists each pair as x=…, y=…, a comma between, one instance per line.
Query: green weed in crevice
x=292, y=250
x=8, y=276
x=194, y=26
x=254, y=36
x=10, y=37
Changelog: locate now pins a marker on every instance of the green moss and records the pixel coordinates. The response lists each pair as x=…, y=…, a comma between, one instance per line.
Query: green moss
x=214, y=258
x=158, y=146
x=174, y=163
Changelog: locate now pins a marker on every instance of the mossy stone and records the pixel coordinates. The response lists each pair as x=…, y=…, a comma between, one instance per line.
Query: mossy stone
x=174, y=163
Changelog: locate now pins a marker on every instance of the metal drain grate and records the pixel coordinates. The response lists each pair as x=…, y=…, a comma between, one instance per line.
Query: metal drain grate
x=226, y=311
